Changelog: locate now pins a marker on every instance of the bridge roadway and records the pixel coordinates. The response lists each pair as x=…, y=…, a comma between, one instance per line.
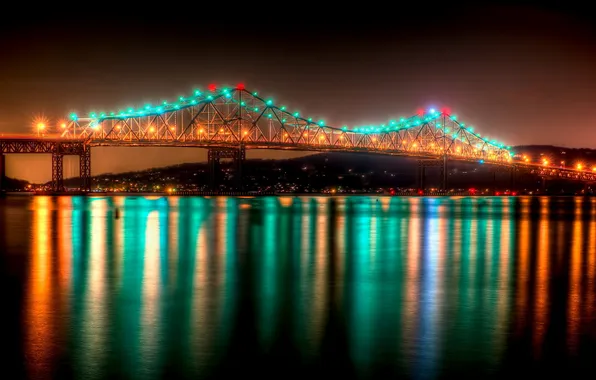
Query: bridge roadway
x=59, y=147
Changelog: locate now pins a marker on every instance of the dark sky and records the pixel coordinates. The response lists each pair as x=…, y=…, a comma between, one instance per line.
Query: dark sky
x=519, y=74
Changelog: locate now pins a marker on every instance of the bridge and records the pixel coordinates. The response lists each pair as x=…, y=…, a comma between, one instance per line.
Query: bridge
x=228, y=121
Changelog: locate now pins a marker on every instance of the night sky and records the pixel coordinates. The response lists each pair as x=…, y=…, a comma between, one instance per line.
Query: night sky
x=521, y=75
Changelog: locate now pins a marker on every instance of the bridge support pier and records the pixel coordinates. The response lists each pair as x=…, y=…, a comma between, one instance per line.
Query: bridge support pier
x=57, y=172
x=214, y=155
x=85, y=169
x=421, y=176
x=2, y=172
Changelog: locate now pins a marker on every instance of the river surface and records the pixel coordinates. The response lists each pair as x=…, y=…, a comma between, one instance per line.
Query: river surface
x=286, y=287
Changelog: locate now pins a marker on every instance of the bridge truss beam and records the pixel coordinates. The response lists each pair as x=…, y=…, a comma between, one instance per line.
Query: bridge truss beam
x=237, y=117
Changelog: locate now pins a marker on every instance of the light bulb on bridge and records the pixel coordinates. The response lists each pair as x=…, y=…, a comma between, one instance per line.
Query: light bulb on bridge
x=63, y=125
x=41, y=126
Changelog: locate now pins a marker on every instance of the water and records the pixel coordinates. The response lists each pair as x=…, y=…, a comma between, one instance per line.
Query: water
x=280, y=287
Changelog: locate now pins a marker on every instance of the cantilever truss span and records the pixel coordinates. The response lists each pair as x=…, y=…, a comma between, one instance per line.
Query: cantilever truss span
x=239, y=118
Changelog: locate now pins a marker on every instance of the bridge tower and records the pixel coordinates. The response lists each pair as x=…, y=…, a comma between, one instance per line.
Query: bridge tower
x=85, y=168
x=214, y=155
x=57, y=172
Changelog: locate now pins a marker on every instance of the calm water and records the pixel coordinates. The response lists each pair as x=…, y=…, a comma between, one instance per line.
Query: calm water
x=279, y=287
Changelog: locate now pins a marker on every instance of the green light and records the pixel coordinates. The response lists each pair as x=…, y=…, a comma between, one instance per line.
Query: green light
x=176, y=106
x=283, y=120
x=73, y=116
x=392, y=122
x=197, y=92
x=130, y=110
x=255, y=93
x=269, y=116
x=401, y=120
x=103, y=114
x=210, y=97
x=283, y=108
x=310, y=119
x=194, y=101
x=321, y=122
x=256, y=109
x=242, y=104
x=296, y=114
x=228, y=96
x=111, y=113
x=453, y=117
x=269, y=102
x=92, y=114
x=344, y=128
x=181, y=98
x=159, y=109
x=165, y=102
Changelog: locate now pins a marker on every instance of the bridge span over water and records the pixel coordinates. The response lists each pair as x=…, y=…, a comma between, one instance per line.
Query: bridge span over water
x=228, y=121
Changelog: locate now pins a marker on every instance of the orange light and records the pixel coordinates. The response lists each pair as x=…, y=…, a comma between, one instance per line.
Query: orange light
x=172, y=128
x=41, y=126
x=285, y=135
x=151, y=129
x=374, y=139
x=63, y=125
x=246, y=133
x=545, y=162
x=118, y=127
x=201, y=130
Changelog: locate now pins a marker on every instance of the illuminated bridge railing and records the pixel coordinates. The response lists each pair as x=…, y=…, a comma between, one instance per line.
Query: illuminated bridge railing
x=236, y=117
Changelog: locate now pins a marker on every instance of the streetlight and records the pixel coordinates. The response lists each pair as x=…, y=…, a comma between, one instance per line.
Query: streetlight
x=40, y=128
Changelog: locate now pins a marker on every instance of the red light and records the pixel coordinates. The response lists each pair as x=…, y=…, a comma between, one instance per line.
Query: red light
x=392, y=192
x=420, y=192
x=212, y=87
x=514, y=193
x=420, y=112
x=498, y=193
x=240, y=86
x=446, y=110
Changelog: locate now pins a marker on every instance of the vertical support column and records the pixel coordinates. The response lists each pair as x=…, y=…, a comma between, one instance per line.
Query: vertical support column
x=444, y=173
x=213, y=164
x=421, y=175
x=239, y=158
x=57, y=172
x=85, y=169
x=543, y=184
x=2, y=172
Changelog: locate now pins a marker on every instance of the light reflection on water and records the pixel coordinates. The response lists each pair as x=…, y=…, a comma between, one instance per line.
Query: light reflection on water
x=360, y=286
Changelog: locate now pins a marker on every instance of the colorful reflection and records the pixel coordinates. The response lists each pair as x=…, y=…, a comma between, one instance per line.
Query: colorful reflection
x=414, y=287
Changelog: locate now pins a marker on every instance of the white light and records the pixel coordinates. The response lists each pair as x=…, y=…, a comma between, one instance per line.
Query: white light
x=432, y=110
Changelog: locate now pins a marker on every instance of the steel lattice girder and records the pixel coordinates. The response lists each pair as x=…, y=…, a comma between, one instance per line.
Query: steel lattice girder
x=239, y=117
x=41, y=145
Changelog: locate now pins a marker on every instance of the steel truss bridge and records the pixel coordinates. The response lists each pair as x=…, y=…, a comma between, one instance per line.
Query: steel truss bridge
x=228, y=121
